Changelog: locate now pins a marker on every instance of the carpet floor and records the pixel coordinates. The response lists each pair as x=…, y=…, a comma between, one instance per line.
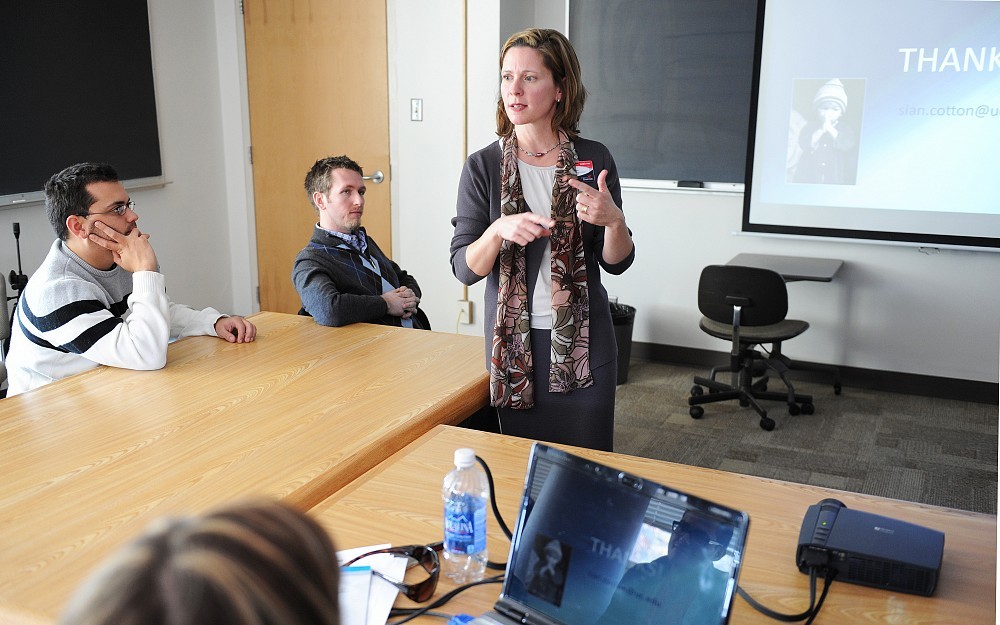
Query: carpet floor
x=935, y=451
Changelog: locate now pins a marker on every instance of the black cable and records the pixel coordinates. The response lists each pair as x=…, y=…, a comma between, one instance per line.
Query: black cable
x=493, y=499
x=402, y=611
x=413, y=613
x=497, y=566
x=788, y=618
x=814, y=606
x=830, y=574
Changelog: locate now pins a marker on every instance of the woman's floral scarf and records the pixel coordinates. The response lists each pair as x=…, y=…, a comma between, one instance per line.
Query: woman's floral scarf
x=510, y=367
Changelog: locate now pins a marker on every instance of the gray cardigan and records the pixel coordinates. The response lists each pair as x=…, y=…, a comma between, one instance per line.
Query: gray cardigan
x=479, y=206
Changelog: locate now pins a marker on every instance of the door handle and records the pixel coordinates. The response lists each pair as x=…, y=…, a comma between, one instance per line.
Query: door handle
x=377, y=177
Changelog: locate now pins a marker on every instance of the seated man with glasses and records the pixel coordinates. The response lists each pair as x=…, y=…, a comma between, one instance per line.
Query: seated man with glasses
x=98, y=298
x=681, y=587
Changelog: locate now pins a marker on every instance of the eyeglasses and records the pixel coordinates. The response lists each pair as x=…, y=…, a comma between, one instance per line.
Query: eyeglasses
x=695, y=535
x=414, y=586
x=117, y=210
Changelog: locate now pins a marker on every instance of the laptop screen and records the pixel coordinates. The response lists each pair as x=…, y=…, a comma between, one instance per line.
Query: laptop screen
x=596, y=546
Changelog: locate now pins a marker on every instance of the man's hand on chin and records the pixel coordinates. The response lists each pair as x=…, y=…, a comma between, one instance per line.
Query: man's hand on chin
x=131, y=251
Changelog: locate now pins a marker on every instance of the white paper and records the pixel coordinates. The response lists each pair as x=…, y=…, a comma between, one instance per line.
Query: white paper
x=355, y=584
x=381, y=594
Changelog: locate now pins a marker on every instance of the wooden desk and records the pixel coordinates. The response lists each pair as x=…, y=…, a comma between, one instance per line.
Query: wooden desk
x=399, y=501
x=792, y=268
x=89, y=461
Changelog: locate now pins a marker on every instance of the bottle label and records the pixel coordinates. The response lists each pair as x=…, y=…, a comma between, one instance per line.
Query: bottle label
x=465, y=524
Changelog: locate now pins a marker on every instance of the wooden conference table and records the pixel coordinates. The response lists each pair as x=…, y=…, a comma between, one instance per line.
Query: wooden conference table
x=399, y=502
x=89, y=461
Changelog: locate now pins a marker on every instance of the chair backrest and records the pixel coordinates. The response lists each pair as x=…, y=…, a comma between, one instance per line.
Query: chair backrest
x=764, y=291
x=4, y=311
x=4, y=332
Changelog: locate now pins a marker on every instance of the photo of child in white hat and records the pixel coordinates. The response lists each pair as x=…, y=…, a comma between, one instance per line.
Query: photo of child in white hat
x=826, y=149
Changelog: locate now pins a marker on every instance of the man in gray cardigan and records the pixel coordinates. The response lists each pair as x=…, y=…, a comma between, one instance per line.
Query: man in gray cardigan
x=342, y=276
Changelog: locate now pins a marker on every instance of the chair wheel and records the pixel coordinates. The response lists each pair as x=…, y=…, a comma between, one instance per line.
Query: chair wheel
x=697, y=412
x=793, y=409
x=766, y=424
x=808, y=408
x=696, y=390
x=836, y=389
x=744, y=403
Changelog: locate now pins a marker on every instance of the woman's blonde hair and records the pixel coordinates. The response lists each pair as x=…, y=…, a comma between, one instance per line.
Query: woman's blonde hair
x=259, y=563
x=560, y=59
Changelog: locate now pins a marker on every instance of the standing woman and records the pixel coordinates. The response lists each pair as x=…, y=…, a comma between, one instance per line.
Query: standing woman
x=538, y=216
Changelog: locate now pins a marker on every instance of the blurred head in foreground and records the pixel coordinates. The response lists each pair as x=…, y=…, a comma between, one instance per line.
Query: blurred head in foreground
x=256, y=563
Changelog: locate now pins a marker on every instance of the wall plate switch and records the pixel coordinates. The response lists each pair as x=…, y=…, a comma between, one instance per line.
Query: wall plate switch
x=416, y=109
x=465, y=311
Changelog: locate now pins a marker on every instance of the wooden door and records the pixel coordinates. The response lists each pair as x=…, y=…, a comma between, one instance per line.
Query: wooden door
x=317, y=79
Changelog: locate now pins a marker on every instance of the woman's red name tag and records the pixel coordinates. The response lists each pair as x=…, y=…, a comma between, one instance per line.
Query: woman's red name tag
x=585, y=171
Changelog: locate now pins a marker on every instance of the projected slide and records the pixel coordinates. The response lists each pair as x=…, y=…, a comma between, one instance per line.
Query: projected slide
x=876, y=116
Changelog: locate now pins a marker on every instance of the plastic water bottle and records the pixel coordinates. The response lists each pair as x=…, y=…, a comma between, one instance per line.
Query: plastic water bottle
x=465, y=492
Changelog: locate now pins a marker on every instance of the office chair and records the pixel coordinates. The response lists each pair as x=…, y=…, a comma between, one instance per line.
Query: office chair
x=747, y=306
x=4, y=334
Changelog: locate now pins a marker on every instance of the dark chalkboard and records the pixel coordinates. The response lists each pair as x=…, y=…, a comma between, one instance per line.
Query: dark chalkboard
x=669, y=84
x=77, y=84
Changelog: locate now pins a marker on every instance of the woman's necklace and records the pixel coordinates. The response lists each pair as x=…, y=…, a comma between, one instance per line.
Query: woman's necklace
x=540, y=154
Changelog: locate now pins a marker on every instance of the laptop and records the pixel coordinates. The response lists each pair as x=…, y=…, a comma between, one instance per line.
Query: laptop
x=594, y=545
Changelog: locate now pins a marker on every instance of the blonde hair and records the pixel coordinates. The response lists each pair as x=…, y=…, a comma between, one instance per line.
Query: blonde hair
x=261, y=563
x=560, y=59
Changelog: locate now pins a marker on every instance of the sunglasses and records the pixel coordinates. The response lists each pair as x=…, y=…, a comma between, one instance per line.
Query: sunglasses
x=415, y=586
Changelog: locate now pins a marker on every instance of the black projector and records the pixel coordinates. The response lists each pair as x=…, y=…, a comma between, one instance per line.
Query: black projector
x=869, y=549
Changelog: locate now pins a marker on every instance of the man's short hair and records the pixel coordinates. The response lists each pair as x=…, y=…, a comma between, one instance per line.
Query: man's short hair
x=318, y=178
x=66, y=192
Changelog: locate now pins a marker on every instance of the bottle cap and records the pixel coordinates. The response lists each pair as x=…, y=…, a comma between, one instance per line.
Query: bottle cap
x=464, y=457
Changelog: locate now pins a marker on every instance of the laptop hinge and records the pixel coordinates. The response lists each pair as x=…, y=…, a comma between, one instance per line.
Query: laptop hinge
x=518, y=615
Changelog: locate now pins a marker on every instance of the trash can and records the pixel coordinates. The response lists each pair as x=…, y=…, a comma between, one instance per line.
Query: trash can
x=623, y=317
